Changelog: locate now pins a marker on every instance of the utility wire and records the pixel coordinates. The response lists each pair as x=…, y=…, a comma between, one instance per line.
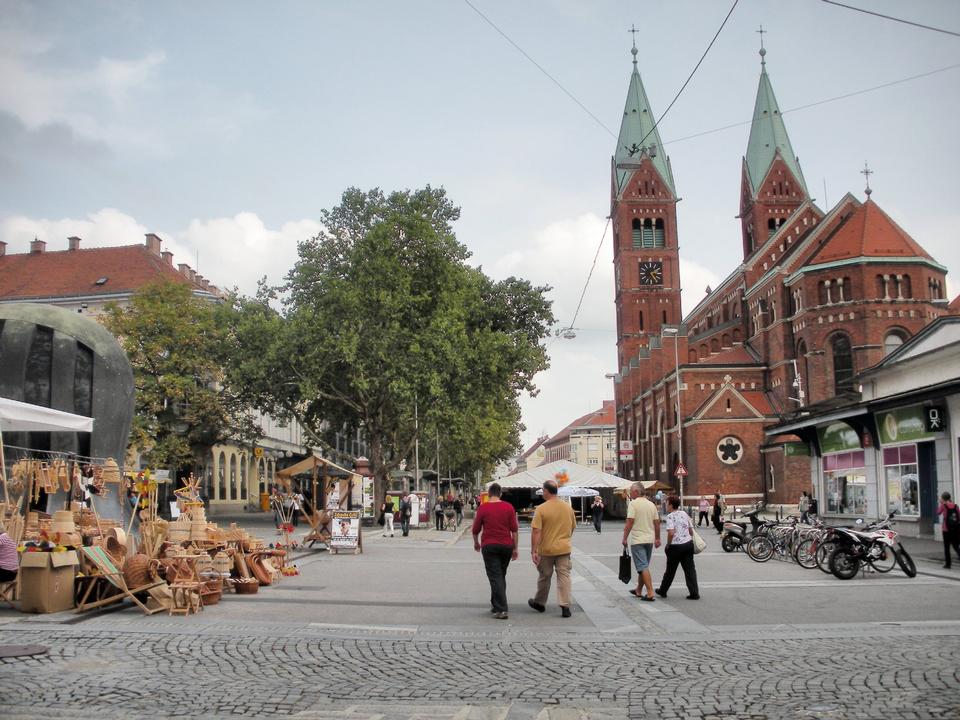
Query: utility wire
x=890, y=17
x=590, y=275
x=540, y=68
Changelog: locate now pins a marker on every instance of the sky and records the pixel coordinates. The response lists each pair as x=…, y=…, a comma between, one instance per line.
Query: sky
x=226, y=127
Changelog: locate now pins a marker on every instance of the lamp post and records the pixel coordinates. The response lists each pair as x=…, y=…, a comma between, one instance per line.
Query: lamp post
x=616, y=434
x=675, y=332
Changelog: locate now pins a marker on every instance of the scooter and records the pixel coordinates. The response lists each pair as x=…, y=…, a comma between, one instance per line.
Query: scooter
x=736, y=535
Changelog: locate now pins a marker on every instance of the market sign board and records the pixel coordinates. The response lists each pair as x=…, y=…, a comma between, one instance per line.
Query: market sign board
x=626, y=449
x=837, y=437
x=911, y=424
x=345, y=530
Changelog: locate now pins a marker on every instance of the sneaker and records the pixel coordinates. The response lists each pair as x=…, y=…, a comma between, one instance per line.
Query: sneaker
x=500, y=616
x=564, y=612
x=536, y=606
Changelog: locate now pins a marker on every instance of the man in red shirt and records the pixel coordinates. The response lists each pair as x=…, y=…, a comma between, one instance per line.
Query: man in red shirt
x=497, y=520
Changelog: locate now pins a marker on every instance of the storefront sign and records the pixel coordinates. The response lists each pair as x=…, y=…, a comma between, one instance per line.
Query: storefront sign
x=368, y=497
x=796, y=449
x=837, y=437
x=345, y=531
x=626, y=449
x=910, y=424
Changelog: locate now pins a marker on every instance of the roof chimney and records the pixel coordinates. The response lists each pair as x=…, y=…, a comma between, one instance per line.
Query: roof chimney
x=3, y=248
x=73, y=243
x=153, y=243
x=37, y=246
x=167, y=257
x=184, y=270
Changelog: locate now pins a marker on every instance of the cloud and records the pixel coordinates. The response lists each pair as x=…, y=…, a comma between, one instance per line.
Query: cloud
x=107, y=227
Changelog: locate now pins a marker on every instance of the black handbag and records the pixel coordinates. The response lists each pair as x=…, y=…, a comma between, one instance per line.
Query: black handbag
x=381, y=520
x=625, y=567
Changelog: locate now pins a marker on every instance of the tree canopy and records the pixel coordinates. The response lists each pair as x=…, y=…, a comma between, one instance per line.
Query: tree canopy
x=382, y=313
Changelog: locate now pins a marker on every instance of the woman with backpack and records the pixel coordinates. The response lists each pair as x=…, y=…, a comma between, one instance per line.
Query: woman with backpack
x=950, y=527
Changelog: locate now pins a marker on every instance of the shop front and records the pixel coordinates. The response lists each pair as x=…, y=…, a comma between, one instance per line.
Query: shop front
x=847, y=484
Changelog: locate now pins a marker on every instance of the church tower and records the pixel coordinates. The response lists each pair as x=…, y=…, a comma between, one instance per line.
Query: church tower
x=772, y=185
x=643, y=210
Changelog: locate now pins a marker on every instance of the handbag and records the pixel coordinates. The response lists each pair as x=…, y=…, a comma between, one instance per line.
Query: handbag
x=381, y=520
x=699, y=544
x=626, y=569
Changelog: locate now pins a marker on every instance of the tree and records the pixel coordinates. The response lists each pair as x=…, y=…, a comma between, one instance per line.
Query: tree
x=381, y=313
x=172, y=341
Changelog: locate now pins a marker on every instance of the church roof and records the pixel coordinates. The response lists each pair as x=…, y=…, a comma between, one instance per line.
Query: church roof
x=638, y=128
x=734, y=355
x=868, y=232
x=954, y=306
x=768, y=137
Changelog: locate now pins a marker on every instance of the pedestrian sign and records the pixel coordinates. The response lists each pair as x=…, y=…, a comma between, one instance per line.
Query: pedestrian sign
x=681, y=471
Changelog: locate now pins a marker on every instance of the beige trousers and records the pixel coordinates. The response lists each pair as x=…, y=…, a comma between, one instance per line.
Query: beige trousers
x=562, y=565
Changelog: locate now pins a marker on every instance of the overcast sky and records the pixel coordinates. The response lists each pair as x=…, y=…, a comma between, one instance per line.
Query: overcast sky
x=225, y=127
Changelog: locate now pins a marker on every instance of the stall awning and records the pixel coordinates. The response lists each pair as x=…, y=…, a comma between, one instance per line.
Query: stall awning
x=18, y=416
x=578, y=476
x=307, y=465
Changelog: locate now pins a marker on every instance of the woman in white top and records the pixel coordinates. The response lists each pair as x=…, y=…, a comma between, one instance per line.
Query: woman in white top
x=679, y=551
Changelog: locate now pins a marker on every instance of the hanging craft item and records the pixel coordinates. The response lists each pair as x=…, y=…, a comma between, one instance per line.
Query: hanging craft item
x=63, y=475
x=111, y=471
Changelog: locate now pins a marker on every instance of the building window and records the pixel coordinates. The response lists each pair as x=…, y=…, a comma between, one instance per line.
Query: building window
x=882, y=287
x=658, y=236
x=233, y=476
x=222, y=478
x=636, y=234
x=905, y=287
x=892, y=341
x=648, y=233
x=641, y=321
x=903, y=481
x=243, y=477
x=845, y=483
x=842, y=362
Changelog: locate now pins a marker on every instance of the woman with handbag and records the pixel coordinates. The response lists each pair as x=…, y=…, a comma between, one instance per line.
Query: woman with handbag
x=679, y=551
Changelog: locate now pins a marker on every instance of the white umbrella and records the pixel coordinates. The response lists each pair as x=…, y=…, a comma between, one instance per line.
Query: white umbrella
x=580, y=492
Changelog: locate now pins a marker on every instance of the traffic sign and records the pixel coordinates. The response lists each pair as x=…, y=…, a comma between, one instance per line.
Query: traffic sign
x=681, y=471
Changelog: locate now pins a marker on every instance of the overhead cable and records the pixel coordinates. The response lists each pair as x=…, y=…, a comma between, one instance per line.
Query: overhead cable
x=890, y=17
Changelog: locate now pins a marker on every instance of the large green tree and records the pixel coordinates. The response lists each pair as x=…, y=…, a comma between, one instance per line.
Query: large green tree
x=173, y=341
x=382, y=313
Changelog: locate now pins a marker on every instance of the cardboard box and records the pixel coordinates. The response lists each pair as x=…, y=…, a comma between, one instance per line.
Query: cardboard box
x=46, y=581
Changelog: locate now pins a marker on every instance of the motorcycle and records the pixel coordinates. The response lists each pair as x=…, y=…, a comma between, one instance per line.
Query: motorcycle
x=878, y=548
x=736, y=534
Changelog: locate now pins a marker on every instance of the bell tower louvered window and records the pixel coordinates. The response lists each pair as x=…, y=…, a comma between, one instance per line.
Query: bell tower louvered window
x=658, y=239
x=637, y=234
x=648, y=233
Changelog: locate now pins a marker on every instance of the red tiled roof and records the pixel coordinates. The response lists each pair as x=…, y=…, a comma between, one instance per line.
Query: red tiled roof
x=758, y=400
x=603, y=416
x=868, y=232
x=70, y=273
x=954, y=307
x=733, y=355
x=533, y=448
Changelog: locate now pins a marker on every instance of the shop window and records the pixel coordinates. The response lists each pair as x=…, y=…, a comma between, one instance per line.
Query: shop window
x=892, y=341
x=845, y=483
x=842, y=362
x=903, y=480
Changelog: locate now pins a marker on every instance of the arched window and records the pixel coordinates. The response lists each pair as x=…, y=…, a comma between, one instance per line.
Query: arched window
x=842, y=362
x=243, y=477
x=893, y=340
x=641, y=321
x=725, y=340
x=233, y=476
x=771, y=227
x=636, y=234
x=822, y=291
x=691, y=355
x=648, y=233
x=846, y=292
x=222, y=478
x=905, y=286
x=658, y=235
x=715, y=345
x=737, y=335
x=663, y=442
x=881, y=288
x=704, y=350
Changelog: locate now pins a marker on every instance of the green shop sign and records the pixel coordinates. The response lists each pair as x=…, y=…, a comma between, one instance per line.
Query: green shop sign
x=795, y=449
x=837, y=437
x=909, y=424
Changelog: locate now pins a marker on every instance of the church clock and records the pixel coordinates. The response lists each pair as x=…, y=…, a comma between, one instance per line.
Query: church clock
x=651, y=273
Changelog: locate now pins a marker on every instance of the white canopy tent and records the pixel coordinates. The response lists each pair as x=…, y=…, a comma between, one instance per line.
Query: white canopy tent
x=578, y=476
x=18, y=416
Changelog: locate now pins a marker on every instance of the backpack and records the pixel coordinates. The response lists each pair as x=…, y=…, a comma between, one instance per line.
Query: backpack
x=404, y=507
x=952, y=519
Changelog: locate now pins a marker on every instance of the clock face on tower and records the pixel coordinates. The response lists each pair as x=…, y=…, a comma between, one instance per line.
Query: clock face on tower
x=651, y=273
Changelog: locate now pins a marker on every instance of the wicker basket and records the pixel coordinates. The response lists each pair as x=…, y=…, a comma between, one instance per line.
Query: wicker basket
x=136, y=570
x=246, y=588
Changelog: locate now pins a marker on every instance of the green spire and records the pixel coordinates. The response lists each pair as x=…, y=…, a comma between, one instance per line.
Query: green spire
x=768, y=135
x=636, y=132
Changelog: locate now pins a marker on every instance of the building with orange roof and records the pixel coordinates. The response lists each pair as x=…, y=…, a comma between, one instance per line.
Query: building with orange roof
x=817, y=297
x=590, y=440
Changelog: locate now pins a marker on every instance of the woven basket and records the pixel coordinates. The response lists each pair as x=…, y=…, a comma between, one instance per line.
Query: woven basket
x=136, y=570
x=246, y=588
x=111, y=471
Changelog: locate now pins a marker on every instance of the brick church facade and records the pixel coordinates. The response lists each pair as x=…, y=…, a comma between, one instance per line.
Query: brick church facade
x=820, y=296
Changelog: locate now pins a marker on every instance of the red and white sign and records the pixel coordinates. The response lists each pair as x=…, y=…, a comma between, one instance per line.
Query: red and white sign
x=681, y=470
x=626, y=450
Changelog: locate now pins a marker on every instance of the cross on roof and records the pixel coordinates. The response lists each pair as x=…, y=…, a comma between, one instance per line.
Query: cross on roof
x=763, y=50
x=867, y=172
x=633, y=51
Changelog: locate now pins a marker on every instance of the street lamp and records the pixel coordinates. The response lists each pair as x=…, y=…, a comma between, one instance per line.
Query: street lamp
x=675, y=332
x=613, y=376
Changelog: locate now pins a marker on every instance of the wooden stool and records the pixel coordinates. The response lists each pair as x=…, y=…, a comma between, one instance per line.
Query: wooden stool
x=186, y=598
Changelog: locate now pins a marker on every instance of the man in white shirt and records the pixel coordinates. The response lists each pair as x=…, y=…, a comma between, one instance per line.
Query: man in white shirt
x=642, y=534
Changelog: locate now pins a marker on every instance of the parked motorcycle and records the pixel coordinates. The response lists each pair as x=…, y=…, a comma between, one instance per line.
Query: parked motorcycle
x=736, y=534
x=879, y=548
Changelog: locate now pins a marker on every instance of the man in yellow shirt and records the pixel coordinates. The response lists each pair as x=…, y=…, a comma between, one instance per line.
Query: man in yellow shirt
x=553, y=524
x=642, y=534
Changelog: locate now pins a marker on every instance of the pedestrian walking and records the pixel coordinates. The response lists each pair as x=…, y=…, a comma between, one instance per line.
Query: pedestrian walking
x=9, y=560
x=550, y=546
x=642, y=534
x=406, y=509
x=296, y=505
x=458, y=509
x=438, y=514
x=387, y=510
x=704, y=516
x=950, y=527
x=812, y=507
x=597, y=510
x=804, y=506
x=718, y=508
x=496, y=538
x=679, y=551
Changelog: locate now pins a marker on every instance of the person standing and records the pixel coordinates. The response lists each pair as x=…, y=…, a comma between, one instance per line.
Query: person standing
x=718, y=513
x=458, y=509
x=597, y=510
x=296, y=504
x=812, y=507
x=804, y=506
x=950, y=527
x=642, y=533
x=496, y=537
x=550, y=546
x=405, y=510
x=704, y=516
x=387, y=510
x=9, y=561
x=438, y=514
x=679, y=551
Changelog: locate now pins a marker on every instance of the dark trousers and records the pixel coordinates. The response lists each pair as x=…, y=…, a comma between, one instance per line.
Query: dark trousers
x=950, y=540
x=703, y=518
x=717, y=521
x=680, y=555
x=10, y=575
x=439, y=519
x=496, y=558
x=597, y=521
x=405, y=524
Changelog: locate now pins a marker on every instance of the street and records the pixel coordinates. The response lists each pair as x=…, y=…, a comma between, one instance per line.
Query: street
x=404, y=631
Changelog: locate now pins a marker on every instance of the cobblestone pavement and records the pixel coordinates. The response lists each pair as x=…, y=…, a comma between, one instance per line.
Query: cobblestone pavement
x=224, y=671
